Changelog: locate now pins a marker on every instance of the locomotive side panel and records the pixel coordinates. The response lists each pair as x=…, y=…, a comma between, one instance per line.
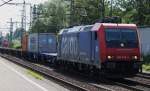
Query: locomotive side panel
x=89, y=48
x=85, y=47
x=69, y=47
x=80, y=47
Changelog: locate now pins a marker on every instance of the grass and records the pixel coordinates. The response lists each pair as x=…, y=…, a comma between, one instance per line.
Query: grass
x=146, y=63
x=15, y=44
x=146, y=67
x=35, y=74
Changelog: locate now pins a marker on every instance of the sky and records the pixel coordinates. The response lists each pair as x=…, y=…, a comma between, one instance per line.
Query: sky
x=14, y=12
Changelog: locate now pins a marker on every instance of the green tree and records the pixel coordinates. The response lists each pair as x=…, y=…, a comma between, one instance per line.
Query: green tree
x=133, y=11
x=56, y=14
x=51, y=17
x=86, y=11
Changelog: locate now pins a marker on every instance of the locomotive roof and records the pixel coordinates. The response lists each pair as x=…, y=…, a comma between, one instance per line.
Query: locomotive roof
x=76, y=29
x=95, y=27
x=110, y=25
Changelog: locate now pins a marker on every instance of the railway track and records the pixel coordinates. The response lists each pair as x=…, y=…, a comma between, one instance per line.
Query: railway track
x=69, y=83
x=123, y=85
x=143, y=75
x=132, y=84
x=146, y=74
x=140, y=80
x=127, y=84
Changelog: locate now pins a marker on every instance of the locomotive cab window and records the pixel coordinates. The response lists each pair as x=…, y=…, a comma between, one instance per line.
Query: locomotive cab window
x=126, y=38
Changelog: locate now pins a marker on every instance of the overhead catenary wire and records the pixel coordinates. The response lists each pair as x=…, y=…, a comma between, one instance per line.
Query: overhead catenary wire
x=5, y=3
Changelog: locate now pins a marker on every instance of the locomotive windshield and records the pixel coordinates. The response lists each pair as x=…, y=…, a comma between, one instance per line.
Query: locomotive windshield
x=124, y=38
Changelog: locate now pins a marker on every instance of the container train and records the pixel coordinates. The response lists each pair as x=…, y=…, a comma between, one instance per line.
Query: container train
x=101, y=48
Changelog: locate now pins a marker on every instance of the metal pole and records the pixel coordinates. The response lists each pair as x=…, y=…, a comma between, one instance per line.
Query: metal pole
x=111, y=8
x=37, y=33
x=72, y=12
x=30, y=14
x=103, y=9
x=5, y=3
x=11, y=29
x=23, y=22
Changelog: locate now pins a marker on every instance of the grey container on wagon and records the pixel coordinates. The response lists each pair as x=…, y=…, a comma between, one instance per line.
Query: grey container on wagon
x=144, y=40
x=42, y=43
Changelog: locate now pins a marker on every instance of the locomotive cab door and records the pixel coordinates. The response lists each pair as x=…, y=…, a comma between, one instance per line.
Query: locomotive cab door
x=95, y=53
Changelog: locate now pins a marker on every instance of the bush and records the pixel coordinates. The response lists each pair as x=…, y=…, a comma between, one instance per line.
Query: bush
x=146, y=63
x=16, y=44
x=146, y=59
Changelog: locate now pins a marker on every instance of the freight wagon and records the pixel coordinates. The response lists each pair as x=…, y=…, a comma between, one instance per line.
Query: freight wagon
x=39, y=46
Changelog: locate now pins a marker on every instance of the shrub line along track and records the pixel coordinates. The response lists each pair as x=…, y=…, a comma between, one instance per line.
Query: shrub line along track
x=73, y=85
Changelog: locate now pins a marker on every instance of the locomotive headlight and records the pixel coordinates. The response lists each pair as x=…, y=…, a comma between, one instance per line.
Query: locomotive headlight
x=109, y=57
x=135, y=57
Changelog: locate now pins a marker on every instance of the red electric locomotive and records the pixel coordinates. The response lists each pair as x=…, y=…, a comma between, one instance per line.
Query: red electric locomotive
x=102, y=47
